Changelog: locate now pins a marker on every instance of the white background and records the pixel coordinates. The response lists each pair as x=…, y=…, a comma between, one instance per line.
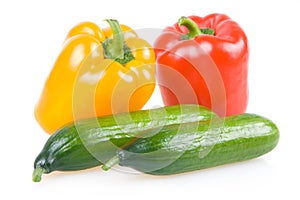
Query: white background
x=31, y=36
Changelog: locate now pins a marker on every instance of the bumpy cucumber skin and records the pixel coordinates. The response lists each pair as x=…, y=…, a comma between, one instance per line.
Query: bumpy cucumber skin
x=224, y=140
x=75, y=146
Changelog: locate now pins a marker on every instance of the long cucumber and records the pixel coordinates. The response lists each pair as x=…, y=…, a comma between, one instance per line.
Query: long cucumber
x=192, y=146
x=91, y=142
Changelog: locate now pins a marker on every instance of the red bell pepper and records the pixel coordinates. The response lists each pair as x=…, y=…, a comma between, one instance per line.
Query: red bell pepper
x=204, y=60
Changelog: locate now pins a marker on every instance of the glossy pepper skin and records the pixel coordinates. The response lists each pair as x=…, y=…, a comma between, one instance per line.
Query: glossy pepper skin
x=98, y=72
x=213, y=41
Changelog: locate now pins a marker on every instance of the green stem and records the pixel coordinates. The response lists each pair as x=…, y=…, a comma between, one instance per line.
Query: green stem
x=37, y=174
x=112, y=162
x=193, y=29
x=115, y=49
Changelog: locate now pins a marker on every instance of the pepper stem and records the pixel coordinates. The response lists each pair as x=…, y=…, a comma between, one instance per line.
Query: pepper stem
x=115, y=49
x=110, y=163
x=37, y=174
x=193, y=29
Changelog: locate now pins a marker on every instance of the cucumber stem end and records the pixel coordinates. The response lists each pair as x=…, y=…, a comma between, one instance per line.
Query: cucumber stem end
x=110, y=163
x=37, y=174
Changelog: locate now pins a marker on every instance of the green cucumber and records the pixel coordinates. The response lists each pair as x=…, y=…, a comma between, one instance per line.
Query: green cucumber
x=194, y=146
x=91, y=142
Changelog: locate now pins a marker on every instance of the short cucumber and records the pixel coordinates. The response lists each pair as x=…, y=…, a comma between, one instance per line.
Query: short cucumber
x=191, y=146
x=90, y=142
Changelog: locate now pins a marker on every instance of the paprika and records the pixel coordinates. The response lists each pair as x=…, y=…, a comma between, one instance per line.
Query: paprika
x=98, y=72
x=226, y=45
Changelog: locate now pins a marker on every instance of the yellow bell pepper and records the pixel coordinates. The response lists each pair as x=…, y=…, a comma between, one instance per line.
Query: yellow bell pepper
x=98, y=72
